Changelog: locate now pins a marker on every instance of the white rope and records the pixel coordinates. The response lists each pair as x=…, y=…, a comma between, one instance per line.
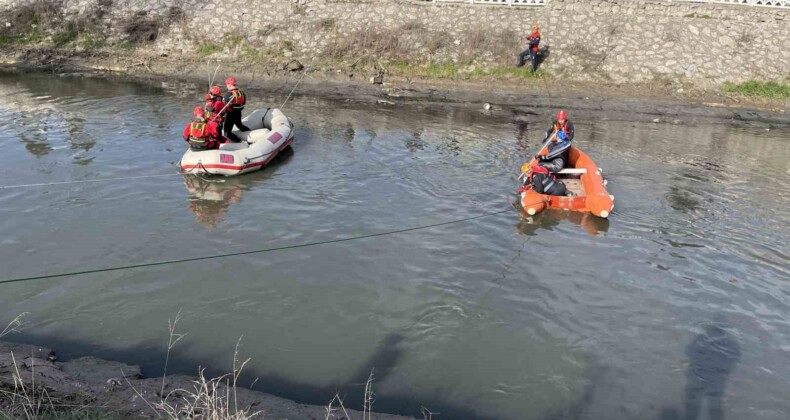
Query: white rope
x=292, y=90
x=44, y=184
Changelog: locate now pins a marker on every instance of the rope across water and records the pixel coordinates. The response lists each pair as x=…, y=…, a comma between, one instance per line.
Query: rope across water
x=256, y=251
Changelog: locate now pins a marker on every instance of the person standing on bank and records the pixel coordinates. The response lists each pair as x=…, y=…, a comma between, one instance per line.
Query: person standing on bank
x=236, y=98
x=532, y=49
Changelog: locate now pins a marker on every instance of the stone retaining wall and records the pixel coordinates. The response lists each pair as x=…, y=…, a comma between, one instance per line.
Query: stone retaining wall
x=619, y=40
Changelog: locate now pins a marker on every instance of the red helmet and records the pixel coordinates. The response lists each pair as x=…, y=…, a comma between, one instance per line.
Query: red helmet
x=562, y=115
x=230, y=81
x=198, y=111
x=215, y=90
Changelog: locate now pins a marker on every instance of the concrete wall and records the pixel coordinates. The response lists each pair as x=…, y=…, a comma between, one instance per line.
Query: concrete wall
x=619, y=40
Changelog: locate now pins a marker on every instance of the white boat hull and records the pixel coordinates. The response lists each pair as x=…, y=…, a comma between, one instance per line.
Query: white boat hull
x=270, y=132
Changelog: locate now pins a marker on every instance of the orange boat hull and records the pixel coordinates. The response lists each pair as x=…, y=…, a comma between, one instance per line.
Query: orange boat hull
x=594, y=197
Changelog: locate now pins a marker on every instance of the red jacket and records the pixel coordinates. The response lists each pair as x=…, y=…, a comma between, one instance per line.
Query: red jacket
x=534, y=41
x=217, y=106
x=203, y=131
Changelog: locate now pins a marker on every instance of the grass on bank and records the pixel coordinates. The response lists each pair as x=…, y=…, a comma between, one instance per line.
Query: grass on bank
x=205, y=50
x=461, y=71
x=770, y=90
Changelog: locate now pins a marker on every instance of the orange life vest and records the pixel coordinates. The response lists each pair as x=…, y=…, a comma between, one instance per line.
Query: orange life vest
x=198, y=136
x=238, y=99
x=563, y=127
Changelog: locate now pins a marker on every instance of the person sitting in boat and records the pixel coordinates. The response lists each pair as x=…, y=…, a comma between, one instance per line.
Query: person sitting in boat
x=202, y=134
x=561, y=134
x=542, y=181
x=561, y=124
x=236, y=98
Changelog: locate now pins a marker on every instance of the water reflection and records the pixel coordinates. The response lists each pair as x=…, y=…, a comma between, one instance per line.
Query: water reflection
x=551, y=218
x=211, y=197
x=712, y=356
x=522, y=139
x=681, y=199
x=696, y=175
x=36, y=148
x=48, y=114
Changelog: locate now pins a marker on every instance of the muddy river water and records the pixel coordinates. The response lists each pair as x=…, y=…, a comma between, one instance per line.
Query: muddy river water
x=675, y=307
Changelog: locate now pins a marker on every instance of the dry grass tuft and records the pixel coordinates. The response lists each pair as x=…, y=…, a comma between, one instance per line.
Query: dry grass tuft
x=214, y=399
x=14, y=325
x=500, y=45
x=377, y=42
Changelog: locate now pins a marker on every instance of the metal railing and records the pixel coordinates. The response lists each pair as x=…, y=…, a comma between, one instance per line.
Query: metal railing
x=764, y=3
x=767, y=3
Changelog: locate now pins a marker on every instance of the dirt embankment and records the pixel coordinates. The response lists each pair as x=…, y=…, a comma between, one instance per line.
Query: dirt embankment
x=32, y=380
x=644, y=101
x=144, y=40
x=656, y=102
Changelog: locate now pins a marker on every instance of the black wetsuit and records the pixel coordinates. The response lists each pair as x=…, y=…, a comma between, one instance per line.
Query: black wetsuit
x=552, y=161
x=233, y=117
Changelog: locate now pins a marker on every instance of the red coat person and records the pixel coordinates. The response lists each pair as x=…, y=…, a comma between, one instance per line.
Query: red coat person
x=202, y=134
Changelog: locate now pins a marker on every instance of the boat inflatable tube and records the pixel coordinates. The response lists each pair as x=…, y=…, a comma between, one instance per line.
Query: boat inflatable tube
x=270, y=132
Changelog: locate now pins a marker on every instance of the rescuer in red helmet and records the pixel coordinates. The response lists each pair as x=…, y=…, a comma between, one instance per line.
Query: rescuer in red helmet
x=236, y=98
x=202, y=134
x=561, y=135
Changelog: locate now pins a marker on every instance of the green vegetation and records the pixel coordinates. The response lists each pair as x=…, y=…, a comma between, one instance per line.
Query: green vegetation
x=205, y=50
x=770, y=90
x=6, y=39
x=126, y=45
x=434, y=71
x=232, y=39
x=34, y=37
x=91, y=41
x=507, y=73
x=66, y=36
x=251, y=54
x=42, y=21
x=461, y=71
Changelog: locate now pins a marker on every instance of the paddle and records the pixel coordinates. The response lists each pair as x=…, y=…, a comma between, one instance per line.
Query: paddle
x=525, y=167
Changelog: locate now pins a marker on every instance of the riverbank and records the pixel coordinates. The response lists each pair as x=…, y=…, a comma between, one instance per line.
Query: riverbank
x=664, y=101
x=34, y=383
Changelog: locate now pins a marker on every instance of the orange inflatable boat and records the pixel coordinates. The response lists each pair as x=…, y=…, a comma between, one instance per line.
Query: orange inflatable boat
x=583, y=178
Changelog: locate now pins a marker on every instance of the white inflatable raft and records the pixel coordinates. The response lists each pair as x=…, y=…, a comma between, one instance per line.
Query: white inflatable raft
x=271, y=132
